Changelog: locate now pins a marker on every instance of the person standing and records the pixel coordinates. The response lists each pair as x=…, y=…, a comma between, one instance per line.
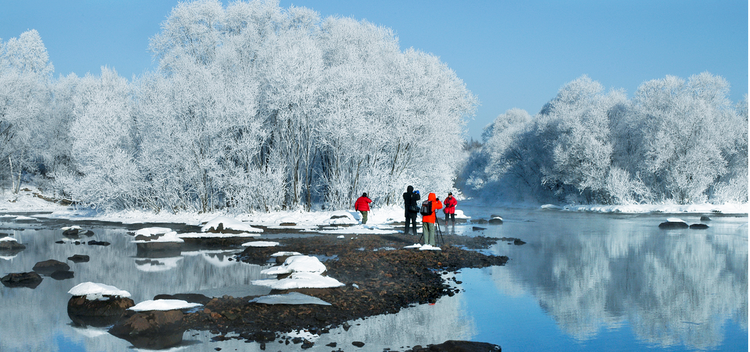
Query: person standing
x=411, y=208
x=362, y=205
x=428, y=220
x=450, y=208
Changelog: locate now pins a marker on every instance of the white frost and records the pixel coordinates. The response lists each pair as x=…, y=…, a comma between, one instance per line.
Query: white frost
x=285, y=254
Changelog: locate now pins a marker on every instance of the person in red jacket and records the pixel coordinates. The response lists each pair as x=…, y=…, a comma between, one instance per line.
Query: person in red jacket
x=450, y=208
x=428, y=221
x=362, y=205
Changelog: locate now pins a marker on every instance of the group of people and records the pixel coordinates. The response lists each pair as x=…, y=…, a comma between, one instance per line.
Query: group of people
x=412, y=208
x=429, y=212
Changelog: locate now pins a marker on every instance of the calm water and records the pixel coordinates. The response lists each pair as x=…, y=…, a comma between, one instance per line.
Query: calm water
x=583, y=282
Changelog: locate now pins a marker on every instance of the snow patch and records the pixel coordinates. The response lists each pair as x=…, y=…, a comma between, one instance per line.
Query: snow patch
x=96, y=291
x=297, y=263
x=260, y=244
x=293, y=298
x=300, y=280
x=163, y=305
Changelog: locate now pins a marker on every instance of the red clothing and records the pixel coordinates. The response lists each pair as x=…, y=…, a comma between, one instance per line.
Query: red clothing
x=362, y=204
x=436, y=204
x=450, y=205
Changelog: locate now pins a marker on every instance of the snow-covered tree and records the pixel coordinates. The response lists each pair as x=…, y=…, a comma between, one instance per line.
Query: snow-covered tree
x=25, y=73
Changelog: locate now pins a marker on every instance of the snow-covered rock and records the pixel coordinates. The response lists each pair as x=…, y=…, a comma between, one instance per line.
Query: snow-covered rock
x=97, y=291
x=224, y=224
x=291, y=298
x=260, y=244
x=163, y=305
x=297, y=263
x=300, y=280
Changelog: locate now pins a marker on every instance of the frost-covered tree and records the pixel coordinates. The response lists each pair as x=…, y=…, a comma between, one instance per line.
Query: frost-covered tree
x=687, y=127
x=103, y=149
x=25, y=73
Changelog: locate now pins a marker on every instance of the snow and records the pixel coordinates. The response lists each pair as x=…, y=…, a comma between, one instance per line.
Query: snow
x=157, y=264
x=294, y=298
x=676, y=220
x=260, y=244
x=96, y=291
x=285, y=254
x=423, y=247
x=216, y=235
x=299, y=280
x=297, y=263
x=229, y=224
x=75, y=227
x=361, y=229
x=149, y=231
x=163, y=305
x=8, y=239
x=169, y=237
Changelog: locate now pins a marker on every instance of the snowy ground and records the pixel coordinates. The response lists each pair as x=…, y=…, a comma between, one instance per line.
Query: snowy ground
x=326, y=221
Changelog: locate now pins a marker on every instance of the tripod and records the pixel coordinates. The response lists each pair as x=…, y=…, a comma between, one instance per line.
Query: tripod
x=438, y=233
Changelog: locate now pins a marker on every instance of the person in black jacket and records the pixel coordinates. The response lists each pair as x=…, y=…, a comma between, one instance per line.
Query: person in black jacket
x=411, y=209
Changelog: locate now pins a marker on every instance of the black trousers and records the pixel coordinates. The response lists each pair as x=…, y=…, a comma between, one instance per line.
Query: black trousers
x=411, y=217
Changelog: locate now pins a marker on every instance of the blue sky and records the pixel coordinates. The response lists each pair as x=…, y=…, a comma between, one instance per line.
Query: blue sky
x=510, y=54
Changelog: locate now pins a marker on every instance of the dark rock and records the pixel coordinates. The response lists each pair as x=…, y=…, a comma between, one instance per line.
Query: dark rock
x=98, y=313
x=79, y=258
x=705, y=218
x=151, y=330
x=60, y=242
x=98, y=243
x=333, y=217
x=698, y=226
x=477, y=228
x=495, y=221
x=287, y=224
x=48, y=267
x=518, y=242
x=307, y=344
x=11, y=246
x=30, y=280
x=87, y=233
x=669, y=225
x=480, y=221
x=359, y=344
x=496, y=216
x=62, y=275
x=188, y=297
x=70, y=233
x=332, y=344
x=3, y=234
x=458, y=346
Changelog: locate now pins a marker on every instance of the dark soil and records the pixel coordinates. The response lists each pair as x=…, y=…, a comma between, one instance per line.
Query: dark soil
x=380, y=276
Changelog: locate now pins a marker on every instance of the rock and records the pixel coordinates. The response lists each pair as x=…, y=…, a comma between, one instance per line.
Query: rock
x=334, y=217
x=71, y=232
x=98, y=243
x=48, y=267
x=87, y=233
x=11, y=246
x=97, y=313
x=705, y=218
x=288, y=224
x=188, y=297
x=62, y=275
x=673, y=223
x=458, y=346
x=151, y=330
x=79, y=258
x=495, y=221
x=518, y=242
x=479, y=221
x=477, y=228
x=3, y=234
x=359, y=344
x=30, y=280
x=698, y=226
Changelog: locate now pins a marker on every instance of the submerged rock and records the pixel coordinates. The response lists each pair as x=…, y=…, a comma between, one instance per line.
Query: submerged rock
x=62, y=275
x=10, y=244
x=30, y=280
x=698, y=226
x=151, y=329
x=79, y=258
x=458, y=346
x=48, y=267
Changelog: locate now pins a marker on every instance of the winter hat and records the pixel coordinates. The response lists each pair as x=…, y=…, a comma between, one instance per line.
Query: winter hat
x=364, y=194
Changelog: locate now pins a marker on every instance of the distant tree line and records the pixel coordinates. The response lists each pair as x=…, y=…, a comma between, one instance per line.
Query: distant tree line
x=252, y=107
x=674, y=141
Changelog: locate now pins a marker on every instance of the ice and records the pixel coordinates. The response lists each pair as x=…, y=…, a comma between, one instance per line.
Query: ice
x=163, y=305
x=97, y=291
x=294, y=298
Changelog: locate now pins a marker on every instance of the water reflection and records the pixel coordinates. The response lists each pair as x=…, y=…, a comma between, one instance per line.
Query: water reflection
x=673, y=288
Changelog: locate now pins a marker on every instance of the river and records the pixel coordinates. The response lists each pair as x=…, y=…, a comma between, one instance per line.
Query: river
x=581, y=282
